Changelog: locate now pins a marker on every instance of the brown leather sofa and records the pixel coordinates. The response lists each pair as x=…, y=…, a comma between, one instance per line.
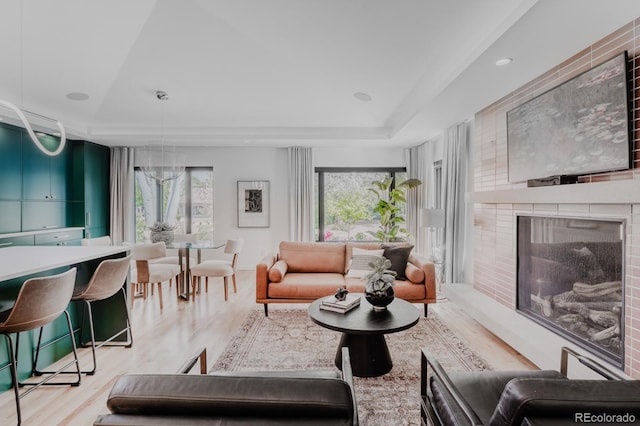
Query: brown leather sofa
x=322, y=397
x=302, y=272
x=536, y=397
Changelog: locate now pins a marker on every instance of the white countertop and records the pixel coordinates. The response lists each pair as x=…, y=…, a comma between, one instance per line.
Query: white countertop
x=18, y=261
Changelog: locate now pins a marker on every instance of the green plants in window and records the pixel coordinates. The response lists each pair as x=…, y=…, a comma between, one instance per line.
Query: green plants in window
x=391, y=200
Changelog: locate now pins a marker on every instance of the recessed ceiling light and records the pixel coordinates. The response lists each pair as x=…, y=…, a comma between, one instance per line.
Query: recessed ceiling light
x=77, y=96
x=361, y=96
x=504, y=61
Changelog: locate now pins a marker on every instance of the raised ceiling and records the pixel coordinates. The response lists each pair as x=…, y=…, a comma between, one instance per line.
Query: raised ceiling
x=283, y=72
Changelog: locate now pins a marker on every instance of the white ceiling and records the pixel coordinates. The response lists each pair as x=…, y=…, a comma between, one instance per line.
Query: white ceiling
x=283, y=72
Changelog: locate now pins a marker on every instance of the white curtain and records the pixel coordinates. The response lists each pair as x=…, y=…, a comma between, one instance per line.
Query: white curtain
x=301, y=194
x=122, y=195
x=415, y=158
x=455, y=169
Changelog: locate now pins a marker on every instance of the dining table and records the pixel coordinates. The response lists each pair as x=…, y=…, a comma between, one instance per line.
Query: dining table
x=184, y=252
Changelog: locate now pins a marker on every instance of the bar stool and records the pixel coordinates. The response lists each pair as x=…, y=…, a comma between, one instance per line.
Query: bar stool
x=40, y=301
x=108, y=279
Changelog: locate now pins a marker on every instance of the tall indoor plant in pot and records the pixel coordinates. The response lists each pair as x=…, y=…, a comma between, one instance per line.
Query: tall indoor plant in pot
x=389, y=208
x=379, y=288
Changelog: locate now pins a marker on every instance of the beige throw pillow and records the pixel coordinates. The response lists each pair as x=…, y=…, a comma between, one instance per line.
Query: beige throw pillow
x=277, y=271
x=359, y=264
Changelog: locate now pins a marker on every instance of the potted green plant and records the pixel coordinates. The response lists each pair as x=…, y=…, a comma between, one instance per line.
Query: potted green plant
x=389, y=207
x=379, y=288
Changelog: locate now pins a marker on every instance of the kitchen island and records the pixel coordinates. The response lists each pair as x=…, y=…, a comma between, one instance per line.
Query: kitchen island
x=19, y=263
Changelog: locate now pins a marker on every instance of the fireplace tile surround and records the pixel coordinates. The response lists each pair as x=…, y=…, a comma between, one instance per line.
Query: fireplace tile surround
x=497, y=203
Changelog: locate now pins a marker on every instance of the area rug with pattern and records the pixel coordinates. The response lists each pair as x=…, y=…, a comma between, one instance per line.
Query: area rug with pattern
x=289, y=340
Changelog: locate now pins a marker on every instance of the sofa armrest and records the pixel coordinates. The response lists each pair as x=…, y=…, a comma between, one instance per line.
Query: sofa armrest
x=428, y=360
x=262, y=276
x=565, y=399
x=429, y=273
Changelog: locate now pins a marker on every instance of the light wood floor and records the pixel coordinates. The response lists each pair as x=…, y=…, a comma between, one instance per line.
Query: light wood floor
x=163, y=340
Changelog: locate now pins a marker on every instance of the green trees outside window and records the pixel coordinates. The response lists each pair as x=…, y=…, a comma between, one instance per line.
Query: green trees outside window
x=346, y=205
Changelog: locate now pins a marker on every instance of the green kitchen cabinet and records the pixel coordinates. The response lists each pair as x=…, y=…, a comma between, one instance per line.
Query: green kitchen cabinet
x=43, y=215
x=10, y=215
x=91, y=164
x=10, y=163
x=66, y=237
x=45, y=177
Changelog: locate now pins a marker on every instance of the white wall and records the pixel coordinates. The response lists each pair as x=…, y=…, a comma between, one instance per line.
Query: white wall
x=231, y=165
x=246, y=163
x=358, y=157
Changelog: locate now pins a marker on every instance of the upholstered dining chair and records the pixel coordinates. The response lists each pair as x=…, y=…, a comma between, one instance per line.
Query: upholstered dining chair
x=98, y=241
x=40, y=301
x=172, y=257
x=145, y=272
x=108, y=279
x=218, y=268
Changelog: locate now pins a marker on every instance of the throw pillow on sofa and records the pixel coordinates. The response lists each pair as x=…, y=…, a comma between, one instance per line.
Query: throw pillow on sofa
x=399, y=256
x=414, y=274
x=277, y=271
x=359, y=263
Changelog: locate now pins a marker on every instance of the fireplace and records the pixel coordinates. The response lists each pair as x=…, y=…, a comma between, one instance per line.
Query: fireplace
x=570, y=279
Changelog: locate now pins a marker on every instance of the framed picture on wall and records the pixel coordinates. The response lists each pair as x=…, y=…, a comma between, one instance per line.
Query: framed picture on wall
x=253, y=204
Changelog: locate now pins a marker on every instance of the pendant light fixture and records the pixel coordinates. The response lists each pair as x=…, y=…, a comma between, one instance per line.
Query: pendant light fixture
x=161, y=162
x=21, y=113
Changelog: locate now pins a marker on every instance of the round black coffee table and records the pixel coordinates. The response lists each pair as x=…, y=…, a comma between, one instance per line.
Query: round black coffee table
x=363, y=331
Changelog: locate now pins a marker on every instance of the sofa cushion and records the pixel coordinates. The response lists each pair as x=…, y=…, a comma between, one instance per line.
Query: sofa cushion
x=414, y=274
x=277, y=271
x=480, y=389
x=308, y=285
x=313, y=257
x=359, y=262
x=399, y=256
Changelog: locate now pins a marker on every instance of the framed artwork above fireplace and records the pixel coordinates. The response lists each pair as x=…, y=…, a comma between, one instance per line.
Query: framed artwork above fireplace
x=577, y=128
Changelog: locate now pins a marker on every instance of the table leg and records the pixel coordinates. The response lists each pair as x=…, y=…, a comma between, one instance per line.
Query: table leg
x=186, y=271
x=184, y=285
x=369, y=354
x=199, y=262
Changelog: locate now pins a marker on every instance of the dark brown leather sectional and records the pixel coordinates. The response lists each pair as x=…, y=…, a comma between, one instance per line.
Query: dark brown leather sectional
x=538, y=397
x=234, y=398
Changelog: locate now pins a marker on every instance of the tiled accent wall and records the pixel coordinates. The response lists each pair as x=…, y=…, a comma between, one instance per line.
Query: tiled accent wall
x=494, y=223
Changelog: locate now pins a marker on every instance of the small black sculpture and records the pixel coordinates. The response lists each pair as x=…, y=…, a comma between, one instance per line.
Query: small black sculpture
x=341, y=293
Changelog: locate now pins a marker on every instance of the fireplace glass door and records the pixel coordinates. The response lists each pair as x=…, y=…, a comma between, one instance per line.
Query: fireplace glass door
x=570, y=280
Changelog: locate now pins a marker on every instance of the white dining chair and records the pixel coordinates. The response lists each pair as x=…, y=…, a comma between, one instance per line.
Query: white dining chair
x=218, y=268
x=144, y=272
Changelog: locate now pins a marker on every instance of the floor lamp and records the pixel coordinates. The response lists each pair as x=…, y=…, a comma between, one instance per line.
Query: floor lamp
x=433, y=219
